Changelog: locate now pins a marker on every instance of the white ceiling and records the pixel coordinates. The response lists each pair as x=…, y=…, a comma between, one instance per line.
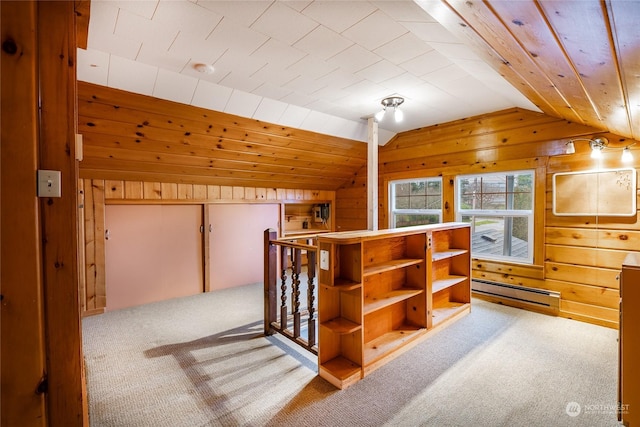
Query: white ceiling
x=322, y=66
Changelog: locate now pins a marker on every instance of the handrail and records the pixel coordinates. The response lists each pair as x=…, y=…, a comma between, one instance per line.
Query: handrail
x=296, y=245
x=285, y=255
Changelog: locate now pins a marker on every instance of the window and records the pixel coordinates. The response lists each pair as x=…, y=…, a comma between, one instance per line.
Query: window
x=415, y=202
x=499, y=207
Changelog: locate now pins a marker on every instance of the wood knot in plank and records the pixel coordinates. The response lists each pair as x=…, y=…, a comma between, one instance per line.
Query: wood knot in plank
x=10, y=46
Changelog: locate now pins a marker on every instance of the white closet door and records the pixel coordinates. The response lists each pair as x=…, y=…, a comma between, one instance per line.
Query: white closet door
x=153, y=253
x=236, y=242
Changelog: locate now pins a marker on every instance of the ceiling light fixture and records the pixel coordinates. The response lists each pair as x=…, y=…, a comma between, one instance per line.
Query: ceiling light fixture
x=204, y=68
x=391, y=102
x=597, y=145
x=627, y=157
x=571, y=148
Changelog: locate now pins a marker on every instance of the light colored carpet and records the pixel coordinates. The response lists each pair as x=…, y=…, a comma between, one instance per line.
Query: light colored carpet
x=203, y=361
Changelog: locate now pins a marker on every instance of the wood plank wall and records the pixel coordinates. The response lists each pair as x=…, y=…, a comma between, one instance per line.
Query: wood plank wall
x=140, y=138
x=41, y=338
x=584, y=254
x=578, y=256
x=351, y=203
x=139, y=149
x=98, y=192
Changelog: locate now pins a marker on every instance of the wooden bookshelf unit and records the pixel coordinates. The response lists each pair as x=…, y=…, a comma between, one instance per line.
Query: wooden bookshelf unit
x=383, y=291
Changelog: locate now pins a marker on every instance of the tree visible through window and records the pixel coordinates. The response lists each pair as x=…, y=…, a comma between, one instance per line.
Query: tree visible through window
x=499, y=207
x=415, y=202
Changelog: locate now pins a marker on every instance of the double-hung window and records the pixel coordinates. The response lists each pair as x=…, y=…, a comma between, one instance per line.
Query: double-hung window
x=415, y=202
x=499, y=207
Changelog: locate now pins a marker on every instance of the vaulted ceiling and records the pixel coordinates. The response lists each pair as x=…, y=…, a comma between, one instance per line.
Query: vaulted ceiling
x=325, y=65
x=577, y=60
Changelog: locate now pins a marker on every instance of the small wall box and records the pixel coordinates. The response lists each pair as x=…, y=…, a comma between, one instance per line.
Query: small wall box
x=305, y=218
x=383, y=291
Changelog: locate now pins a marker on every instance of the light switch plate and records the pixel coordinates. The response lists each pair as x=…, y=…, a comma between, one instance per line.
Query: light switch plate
x=49, y=183
x=324, y=260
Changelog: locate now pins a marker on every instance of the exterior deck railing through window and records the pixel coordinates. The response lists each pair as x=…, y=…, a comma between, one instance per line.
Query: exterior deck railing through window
x=290, y=296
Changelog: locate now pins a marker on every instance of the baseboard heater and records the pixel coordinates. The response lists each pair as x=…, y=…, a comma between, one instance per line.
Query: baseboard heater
x=540, y=299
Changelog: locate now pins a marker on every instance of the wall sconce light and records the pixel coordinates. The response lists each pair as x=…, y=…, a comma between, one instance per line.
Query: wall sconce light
x=597, y=146
x=392, y=101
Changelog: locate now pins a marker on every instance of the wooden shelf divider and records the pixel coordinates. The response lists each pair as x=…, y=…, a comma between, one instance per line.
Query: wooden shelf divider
x=379, y=302
x=446, y=282
x=340, y=325
x=393, y=264
x=383, y=291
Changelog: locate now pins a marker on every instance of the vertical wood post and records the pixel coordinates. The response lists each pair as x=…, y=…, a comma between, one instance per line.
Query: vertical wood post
x=372, y=174
x=270, y=280
x=283, y=288
x=22, y=346
x=296, y=255
x=59, y=216
x=311, y=322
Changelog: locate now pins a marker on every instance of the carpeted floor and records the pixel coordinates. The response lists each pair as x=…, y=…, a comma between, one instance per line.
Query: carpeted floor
x=203, y=361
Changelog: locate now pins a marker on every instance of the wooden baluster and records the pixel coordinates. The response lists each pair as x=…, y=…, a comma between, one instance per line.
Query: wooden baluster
x=296, y=255
x=283, y=288
x=311, y=273
x=270, y=280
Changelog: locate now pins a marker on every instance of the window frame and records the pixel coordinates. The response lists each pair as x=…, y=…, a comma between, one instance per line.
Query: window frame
x=505, y=213
x=392, y=200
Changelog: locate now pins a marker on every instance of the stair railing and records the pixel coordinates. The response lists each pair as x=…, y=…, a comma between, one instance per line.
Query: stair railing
x=283, y=283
